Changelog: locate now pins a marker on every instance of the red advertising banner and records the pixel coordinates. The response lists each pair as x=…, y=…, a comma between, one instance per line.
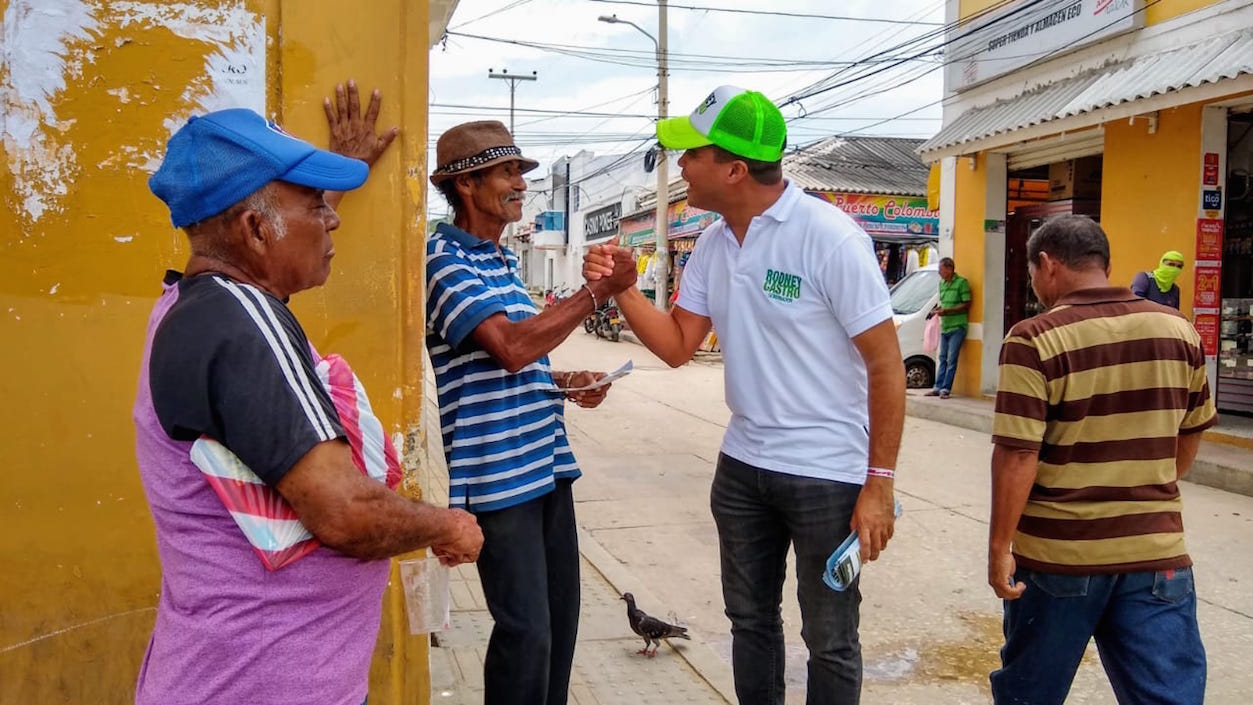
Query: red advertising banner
x=1209, y=175
x=1209, y=239
x=1208, y=287
x=1207, y=326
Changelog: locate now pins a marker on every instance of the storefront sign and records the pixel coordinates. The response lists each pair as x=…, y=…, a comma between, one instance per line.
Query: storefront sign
x=602, y=222
x=1209, y=169
x=887, y=215
x=684, y=222
x=1027, y=30
x=1209, y=240
x=1211, y=199
x=1206, y=325
x=1208, y=288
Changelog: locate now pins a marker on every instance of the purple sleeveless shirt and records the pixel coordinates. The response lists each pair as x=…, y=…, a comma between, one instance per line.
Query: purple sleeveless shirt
x=227, y=630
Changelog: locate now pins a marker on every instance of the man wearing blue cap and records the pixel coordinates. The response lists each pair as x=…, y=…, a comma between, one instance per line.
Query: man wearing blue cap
x=814, y=382
x=225, y=359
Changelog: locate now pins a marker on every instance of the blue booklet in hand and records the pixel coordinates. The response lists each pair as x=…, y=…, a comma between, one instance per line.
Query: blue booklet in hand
x=844, y=565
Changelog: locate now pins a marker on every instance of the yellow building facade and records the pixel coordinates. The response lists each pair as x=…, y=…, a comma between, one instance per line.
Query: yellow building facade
x=90, y=92
x=1131, y=111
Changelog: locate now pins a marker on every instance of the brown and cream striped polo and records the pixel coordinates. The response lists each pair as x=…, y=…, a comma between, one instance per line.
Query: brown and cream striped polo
x=1101, y=385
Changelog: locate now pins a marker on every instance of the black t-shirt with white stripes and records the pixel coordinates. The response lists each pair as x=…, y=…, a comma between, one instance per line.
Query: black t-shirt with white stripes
x=230, y=362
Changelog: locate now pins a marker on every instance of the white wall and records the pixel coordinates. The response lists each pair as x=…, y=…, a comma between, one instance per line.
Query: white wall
x=600, y=181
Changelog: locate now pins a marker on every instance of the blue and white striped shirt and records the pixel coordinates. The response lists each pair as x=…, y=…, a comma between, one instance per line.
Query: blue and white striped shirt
x=504, y=433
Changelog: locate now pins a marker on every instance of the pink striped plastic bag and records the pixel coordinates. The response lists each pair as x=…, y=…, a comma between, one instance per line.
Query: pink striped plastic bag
x=267, y=520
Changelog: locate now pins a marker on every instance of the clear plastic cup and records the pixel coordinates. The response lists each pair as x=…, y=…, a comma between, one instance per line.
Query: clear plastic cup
x=425, y=582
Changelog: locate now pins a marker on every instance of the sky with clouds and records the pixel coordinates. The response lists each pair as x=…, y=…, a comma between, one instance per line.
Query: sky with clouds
x=610, y=69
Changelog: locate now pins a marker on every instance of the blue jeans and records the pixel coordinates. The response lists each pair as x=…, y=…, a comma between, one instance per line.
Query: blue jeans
x=950, y=348
x=1144, y=625
x=529, y=568
x=758, y=514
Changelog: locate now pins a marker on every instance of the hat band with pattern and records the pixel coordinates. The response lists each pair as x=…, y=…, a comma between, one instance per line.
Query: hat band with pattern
x=479, y=159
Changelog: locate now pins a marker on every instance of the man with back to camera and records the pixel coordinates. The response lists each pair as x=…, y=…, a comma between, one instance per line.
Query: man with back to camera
x=814, y=382
x=1099, y=412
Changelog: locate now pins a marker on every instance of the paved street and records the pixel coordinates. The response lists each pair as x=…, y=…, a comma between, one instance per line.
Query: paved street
x=930, y=625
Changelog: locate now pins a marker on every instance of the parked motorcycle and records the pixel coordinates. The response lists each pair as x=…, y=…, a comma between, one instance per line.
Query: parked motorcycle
x=552, y=296
x=592, y=322
x=609, y=321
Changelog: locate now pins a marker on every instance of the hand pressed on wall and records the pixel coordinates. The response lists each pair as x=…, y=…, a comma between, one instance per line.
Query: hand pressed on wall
x=352, y=133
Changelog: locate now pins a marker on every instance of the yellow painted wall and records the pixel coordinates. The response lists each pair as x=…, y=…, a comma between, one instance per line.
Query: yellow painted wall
x=966, y=8
x=83, y=247
x=1149, y=192
x=968, y=256
x=1170, y=9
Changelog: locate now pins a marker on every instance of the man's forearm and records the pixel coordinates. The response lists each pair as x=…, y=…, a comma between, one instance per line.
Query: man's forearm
x=530, y=339
x=1013, y=475
x=379, y=523
x=1185, y=453
x=886, y=409
x=657, y=330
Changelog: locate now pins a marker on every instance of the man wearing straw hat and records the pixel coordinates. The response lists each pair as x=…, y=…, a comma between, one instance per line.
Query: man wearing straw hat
x=501, y=412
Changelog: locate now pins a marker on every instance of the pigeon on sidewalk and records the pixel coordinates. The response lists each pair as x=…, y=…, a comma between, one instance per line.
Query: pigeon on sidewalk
x=652, y=629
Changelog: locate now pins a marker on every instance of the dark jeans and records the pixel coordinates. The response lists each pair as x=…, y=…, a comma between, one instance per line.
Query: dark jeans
x=946, y=368
x=529, y=568
x=1145, y=629
x=758, y=514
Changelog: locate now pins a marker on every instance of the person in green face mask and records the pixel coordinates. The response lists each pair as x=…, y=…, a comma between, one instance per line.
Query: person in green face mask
x=1159, y=284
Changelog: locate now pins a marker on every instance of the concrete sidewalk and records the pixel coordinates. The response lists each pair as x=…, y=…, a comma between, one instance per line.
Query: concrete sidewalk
x=607, y=671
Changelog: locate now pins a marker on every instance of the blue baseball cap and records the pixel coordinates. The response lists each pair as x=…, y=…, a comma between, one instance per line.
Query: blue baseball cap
x=217, y=160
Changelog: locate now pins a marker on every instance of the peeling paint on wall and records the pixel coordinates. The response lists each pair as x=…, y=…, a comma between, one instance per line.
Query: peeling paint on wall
x=41, y=46
x=49, y=42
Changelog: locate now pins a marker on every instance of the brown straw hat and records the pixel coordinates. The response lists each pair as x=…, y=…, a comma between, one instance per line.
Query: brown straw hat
x=476, y=145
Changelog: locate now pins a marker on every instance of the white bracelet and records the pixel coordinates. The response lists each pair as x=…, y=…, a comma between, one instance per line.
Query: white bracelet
x=881, y=472
x=589, y=293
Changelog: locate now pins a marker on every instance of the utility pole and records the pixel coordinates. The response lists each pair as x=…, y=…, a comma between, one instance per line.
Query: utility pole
x=662, y=266
x=513, y=79
x=662, y=227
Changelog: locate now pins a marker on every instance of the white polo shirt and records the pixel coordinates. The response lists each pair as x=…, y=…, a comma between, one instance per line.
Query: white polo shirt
x=786, y=306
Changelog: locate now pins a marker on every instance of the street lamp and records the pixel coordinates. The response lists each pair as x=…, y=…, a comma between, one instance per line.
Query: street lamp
x=661, y=229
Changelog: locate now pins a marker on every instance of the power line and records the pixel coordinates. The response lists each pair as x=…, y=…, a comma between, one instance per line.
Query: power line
x=538, y=111
x=598, y=105
x=1045, y=57
x=493, y=13
x=637, y=58
x=771, y=13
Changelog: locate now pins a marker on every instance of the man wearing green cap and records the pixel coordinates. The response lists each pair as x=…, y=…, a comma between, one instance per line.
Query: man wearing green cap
x=1159, y=285
x=814, y=382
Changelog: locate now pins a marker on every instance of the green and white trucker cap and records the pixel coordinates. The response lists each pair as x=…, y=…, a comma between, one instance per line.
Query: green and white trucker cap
x=745, y=123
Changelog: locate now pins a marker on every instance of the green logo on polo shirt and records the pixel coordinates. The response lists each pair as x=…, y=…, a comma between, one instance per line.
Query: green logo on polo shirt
x=782, y=286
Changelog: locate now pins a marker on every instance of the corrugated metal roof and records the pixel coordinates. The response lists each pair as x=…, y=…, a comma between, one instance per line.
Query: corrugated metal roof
x=886, y=165
x=1222, y=57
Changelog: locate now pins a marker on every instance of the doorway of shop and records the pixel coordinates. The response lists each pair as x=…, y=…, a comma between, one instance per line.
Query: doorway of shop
x=1033, y=195
x=1235, y=334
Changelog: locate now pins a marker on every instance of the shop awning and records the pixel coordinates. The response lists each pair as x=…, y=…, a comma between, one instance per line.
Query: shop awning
x=1059, y=104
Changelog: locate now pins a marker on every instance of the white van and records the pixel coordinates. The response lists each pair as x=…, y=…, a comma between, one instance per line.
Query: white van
x=912, y=299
